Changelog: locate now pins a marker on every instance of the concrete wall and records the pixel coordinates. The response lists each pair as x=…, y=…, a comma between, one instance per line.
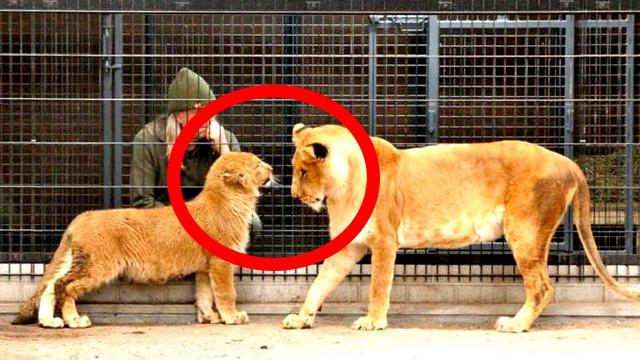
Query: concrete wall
x=272, y=291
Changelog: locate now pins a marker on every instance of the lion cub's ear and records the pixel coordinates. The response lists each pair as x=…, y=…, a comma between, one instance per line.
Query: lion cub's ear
x=235, y=178
x=298, y=129
x=315, y=152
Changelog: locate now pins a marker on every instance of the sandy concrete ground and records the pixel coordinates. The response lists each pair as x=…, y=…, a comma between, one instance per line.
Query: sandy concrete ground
x=408, y=337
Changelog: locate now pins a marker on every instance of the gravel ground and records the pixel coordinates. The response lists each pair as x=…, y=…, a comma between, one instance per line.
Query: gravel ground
x=407, y=338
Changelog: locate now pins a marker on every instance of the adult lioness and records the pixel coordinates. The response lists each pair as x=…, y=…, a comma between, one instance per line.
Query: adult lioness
x=444, y=196
x=150, y=246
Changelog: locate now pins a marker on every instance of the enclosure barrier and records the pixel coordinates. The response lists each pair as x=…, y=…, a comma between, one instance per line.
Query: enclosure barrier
x=80, y=78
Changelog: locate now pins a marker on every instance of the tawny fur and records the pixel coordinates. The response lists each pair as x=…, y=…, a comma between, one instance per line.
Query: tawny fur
x=443, y=196
x=150, y=245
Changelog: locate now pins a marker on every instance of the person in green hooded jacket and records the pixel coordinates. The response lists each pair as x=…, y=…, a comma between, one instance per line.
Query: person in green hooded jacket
x=187, y=93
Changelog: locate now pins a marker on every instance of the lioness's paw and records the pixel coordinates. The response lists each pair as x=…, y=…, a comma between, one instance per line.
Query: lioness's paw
x=509, y=324
x=79, y=322
x=53, y=323
x=368, y=323
x=211, y=317
x=238, y=318
x=295, y=321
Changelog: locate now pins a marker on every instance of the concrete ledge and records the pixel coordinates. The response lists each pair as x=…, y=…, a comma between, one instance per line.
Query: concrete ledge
x=350, y=291
x=183, y=313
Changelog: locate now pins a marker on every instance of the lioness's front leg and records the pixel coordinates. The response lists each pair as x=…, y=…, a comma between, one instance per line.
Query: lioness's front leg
x=332, y=272
x=383, y=258
x=221, y=274
x=204, y=300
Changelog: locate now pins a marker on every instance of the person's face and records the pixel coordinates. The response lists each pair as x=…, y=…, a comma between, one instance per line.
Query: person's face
x=184, y=117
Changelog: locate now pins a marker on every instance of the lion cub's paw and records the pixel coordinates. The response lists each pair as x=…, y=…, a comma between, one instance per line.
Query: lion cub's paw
x=79, y=322
x=238, y=318
x=295, y=321
x=509, y=324
x=52, y=323
x=211, y=317
x=368, y=323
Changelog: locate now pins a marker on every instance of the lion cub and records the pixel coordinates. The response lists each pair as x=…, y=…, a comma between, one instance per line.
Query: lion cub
x=150, y=246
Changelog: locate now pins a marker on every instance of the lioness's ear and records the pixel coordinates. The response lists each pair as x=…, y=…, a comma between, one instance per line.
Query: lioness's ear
x=320, y=150
x=315, y=152
x=235, y=178
x=298, y=129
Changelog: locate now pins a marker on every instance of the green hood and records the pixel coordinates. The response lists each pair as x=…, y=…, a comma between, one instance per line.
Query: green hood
x=187, y=90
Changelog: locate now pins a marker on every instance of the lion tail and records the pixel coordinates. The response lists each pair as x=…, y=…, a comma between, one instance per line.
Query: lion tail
x=28, y=313
x=583, y=223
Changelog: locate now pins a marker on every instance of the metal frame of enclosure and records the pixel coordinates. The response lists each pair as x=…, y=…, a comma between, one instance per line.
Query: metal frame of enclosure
x=80, y=78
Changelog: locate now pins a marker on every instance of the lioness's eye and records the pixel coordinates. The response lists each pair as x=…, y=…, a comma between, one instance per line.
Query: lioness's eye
x=303, y=173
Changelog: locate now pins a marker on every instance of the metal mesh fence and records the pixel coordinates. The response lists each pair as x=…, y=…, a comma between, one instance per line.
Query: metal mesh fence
x=79, y=81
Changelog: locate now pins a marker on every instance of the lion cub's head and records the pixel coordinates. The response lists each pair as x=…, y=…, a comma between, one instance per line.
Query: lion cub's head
x=240, y=171
x=320, y=163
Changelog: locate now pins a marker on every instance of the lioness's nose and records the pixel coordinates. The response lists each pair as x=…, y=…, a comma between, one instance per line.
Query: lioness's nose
x=294, y=193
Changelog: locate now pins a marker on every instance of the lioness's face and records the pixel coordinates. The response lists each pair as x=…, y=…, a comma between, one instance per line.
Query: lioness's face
x=309, y=182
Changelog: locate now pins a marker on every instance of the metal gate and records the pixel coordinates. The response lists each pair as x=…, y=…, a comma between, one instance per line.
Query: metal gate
x=437, y=78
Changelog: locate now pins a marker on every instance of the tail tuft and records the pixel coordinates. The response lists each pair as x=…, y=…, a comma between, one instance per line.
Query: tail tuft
x=28, y=315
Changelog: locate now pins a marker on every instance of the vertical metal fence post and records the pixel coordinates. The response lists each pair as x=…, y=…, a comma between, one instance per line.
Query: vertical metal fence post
x=117, y=110
x=433, y=80
x=419, y=79
x=291, y=70
x=569, y=52
x=106, y=111
x=373, y=40
x=628, y=135
x=148, y=68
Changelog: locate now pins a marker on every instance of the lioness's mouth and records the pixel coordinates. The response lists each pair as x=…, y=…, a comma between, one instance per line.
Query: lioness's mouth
x=316, y=205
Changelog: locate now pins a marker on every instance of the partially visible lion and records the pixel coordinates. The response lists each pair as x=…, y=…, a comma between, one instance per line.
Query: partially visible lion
x=443, y=196
x=150, y=246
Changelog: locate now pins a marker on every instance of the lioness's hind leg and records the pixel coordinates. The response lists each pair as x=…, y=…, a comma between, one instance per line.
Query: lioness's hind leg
x=529, y=238
x=530, y=253
x=538, y=292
